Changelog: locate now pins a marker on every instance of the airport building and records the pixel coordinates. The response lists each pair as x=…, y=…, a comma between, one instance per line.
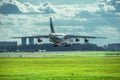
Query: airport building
x=5, y=44
x=30, y=41
x=23, y=41
x=8, y=46
x=114, y=47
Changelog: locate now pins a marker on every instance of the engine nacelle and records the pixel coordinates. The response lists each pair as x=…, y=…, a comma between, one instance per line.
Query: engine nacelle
x=39, y=40
x=77, y=40
x=86, y=40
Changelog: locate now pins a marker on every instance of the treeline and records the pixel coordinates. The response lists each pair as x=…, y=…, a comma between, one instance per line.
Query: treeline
x=50, y=47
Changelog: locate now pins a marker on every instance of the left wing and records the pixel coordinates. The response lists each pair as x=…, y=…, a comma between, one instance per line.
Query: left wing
x=37, y=36
x=80, y=36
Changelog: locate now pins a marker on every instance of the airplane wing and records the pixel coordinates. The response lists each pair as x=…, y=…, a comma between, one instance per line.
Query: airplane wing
x=80, y=36
x=36, y=36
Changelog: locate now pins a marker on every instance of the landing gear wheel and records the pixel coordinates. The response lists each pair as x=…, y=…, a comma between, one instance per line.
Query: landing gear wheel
x=56, y=46
x=67, y=45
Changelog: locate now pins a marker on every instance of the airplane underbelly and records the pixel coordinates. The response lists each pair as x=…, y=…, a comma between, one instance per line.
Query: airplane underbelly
x=61, y=41
x=56, y=42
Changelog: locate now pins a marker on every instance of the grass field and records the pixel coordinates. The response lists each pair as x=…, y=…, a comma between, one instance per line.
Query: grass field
x=56, y=66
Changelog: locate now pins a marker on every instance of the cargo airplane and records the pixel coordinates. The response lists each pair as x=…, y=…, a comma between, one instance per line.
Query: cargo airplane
x=59, y=39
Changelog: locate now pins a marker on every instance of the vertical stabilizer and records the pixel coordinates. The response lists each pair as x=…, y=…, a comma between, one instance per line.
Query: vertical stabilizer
x=51, y=26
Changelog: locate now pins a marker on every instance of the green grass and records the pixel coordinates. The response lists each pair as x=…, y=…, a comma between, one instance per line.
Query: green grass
x=58, y=54
x=71, y=67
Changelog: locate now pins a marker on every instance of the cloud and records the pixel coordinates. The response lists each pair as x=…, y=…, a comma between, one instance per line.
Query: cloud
x=69, y=29
x=114, y=3
x=105, y=8
x=99, y=19
x=9, y=7
x=48, y=8
x=15, y=7
x=110, y=32
x=68, y=10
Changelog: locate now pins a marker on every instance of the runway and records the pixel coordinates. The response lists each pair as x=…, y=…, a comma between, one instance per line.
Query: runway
x=60, y=54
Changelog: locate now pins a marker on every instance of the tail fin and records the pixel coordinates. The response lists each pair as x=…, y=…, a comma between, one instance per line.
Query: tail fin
x=51, y=26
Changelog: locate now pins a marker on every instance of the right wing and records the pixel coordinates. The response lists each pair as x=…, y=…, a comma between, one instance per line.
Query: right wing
x=80, y=36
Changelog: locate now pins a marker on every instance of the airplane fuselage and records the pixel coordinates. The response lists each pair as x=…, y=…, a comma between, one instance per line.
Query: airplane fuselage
x=59, y=39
